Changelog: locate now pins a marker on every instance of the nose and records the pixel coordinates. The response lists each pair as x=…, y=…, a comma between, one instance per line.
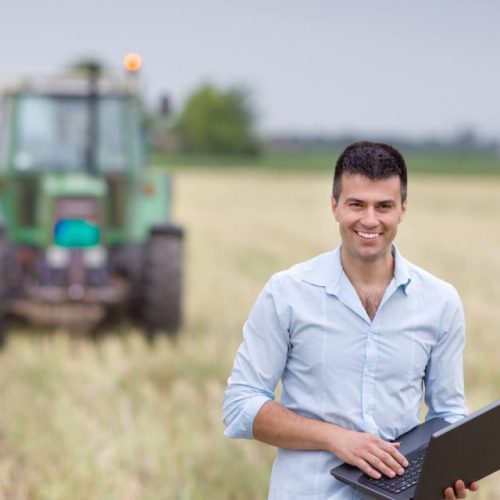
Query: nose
x=369, y=218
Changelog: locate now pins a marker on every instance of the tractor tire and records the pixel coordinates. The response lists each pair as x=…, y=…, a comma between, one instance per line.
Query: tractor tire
x=133, y=264
x=162, y=285
x=4, y=289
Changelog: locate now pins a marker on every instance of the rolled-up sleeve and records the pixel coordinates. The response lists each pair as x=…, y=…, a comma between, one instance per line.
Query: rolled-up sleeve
x=444, y=384
x=259, y=362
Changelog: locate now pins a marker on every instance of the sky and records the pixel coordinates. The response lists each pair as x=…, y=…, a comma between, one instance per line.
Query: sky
x=427, y=68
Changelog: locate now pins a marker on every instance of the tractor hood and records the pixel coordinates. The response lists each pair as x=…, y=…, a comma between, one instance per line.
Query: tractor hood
x=73, y=184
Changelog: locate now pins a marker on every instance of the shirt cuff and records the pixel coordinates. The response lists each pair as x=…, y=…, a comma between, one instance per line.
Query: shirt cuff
x=451, y=419
x=242, y=425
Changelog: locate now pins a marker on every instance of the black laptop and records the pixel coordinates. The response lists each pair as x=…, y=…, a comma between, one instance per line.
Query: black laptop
x=438, y=454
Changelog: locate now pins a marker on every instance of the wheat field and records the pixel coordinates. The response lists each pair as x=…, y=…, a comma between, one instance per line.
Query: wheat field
x=119, y=419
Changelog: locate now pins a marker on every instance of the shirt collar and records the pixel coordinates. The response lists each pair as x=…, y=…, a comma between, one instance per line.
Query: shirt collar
x=329, y=273
x=401, y=269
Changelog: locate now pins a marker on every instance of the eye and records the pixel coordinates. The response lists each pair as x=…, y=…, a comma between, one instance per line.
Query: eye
x=385, y=206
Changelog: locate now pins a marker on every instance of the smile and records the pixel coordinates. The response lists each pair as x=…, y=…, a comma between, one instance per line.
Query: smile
x=367, y=236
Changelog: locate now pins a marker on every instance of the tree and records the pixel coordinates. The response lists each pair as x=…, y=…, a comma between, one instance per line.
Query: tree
x=218, y=122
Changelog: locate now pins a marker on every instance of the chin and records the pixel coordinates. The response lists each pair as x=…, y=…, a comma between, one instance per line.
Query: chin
x=370, y=257
x=370, y=254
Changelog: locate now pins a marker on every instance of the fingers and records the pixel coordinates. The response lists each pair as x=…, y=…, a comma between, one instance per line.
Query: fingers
x=474, y=486
x=383, y=457
x=371, y=454
x=395, y=454
x=386, y=458
x=460, y=490
x=383, y=462
x=365, y=467
x=449, y=494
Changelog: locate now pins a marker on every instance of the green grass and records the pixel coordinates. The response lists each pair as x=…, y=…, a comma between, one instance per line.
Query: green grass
x=320, y=160
x=446, y=164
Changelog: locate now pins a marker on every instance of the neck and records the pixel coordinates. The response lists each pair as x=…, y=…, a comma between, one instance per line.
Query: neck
x=374, y=272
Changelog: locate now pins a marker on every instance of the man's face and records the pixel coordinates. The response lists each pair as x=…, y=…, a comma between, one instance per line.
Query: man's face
x=368, y=213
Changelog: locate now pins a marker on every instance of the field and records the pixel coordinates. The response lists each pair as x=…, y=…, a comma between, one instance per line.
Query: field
x=419, y=163
x=118, y=419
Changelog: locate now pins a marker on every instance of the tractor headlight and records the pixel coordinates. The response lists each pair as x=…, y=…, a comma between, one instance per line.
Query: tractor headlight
x=57, y=257
x=95, y=257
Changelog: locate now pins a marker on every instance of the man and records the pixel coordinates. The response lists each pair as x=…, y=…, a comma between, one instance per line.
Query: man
x=354, y=335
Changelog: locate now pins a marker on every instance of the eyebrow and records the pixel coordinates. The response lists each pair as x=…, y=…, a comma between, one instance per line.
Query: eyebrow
x=381, y=202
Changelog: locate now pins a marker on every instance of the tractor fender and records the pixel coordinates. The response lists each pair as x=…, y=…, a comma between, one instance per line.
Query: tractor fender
x=167, y=228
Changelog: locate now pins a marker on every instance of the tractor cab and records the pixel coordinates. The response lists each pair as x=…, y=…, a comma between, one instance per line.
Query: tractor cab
x=53, y=132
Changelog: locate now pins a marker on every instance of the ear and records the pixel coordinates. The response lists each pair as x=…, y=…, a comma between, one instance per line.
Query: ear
x=335, y=207
x=403, y=210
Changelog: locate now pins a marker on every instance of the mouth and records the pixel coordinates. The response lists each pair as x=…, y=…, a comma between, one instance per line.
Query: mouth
x=367, y=236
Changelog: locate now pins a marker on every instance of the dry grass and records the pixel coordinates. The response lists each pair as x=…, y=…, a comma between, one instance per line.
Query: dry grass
x=117, y=419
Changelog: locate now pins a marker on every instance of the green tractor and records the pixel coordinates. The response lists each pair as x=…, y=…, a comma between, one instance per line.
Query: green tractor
x=85, y=230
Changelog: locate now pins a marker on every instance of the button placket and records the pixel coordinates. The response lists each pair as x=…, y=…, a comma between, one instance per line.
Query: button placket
x=369, y=371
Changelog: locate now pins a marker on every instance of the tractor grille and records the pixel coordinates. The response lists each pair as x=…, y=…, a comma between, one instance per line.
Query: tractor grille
x=26, y=201
x=85, y=208
x=116, y=201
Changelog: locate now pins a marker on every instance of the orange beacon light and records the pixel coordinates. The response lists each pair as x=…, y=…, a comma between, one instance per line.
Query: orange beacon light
x=132, y=62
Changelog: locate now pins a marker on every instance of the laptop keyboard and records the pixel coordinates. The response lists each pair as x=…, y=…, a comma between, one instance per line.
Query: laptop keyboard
x=401, y=483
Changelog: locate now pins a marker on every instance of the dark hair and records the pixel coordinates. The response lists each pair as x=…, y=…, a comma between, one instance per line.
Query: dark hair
x=373, y=160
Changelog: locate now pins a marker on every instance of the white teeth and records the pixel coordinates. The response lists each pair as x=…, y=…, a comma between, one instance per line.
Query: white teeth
x=368, y=236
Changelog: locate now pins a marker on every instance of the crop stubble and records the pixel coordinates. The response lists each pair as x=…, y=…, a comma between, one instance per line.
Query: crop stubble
x=118, y=420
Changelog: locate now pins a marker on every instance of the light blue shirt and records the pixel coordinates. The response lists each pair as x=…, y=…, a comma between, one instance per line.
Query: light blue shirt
x=309, y=329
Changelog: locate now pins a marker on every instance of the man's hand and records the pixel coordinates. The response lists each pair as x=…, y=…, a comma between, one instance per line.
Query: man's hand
x=369, y=453
x=460, y=490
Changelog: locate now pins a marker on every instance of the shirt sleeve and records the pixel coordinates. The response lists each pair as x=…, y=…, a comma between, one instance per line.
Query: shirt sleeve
x=259, y=362
x=444, y=380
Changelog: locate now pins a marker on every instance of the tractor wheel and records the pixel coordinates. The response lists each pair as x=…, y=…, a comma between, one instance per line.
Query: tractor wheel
x=4, y=289
x=162, y=286
x=134, y=261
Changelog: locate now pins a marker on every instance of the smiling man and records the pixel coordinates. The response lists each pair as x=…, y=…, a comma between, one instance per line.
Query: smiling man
x=355, y=336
